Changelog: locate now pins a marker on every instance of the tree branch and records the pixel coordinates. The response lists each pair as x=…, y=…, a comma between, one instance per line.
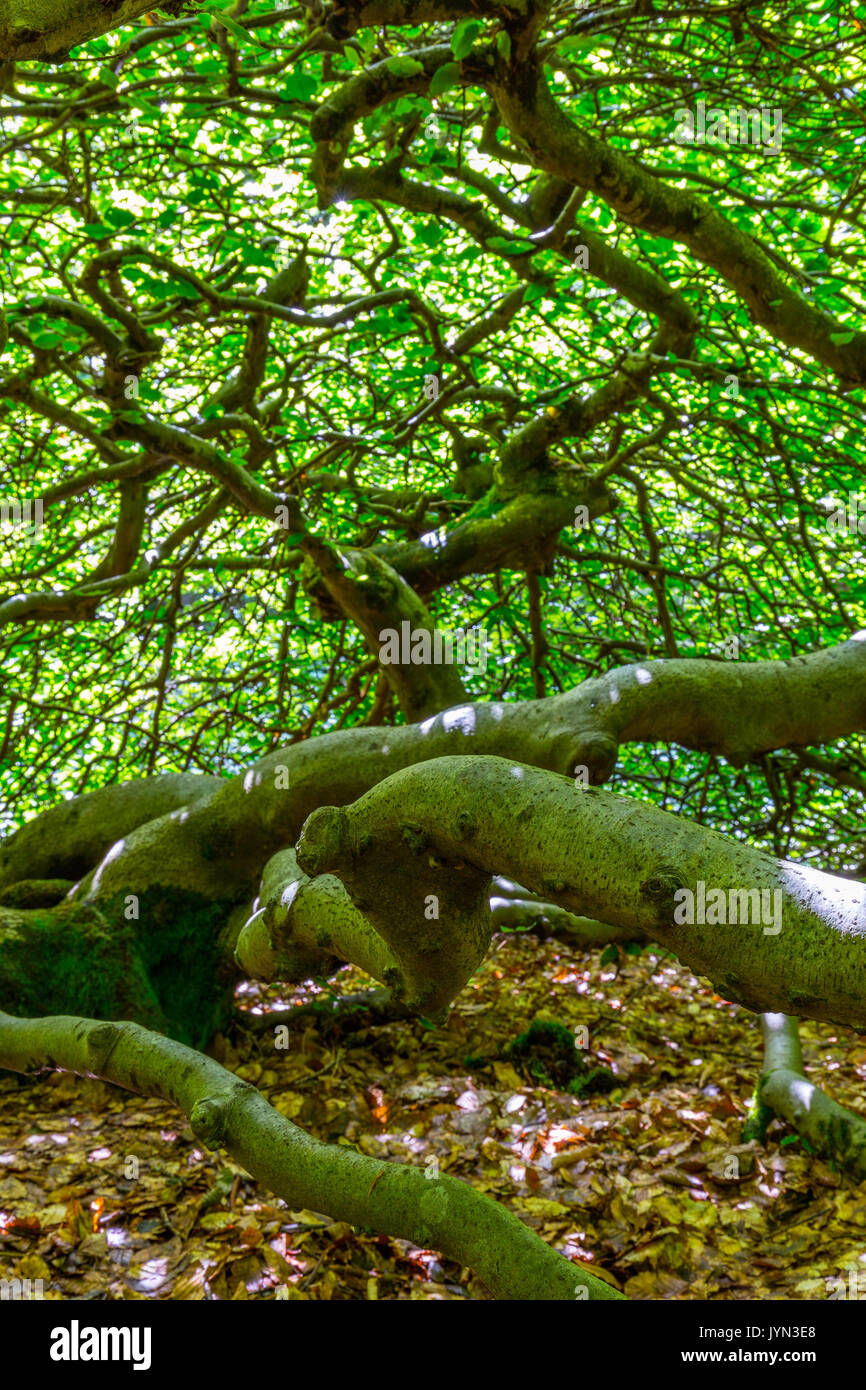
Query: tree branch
x=224, y=1112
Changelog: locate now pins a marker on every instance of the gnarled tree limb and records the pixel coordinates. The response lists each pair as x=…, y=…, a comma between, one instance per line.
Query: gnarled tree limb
x=225, y=1112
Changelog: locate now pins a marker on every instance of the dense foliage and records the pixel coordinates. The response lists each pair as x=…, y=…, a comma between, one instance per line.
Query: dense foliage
x=434, y=303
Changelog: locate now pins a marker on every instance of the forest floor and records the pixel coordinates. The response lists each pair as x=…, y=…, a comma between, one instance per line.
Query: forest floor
x=104, y=1195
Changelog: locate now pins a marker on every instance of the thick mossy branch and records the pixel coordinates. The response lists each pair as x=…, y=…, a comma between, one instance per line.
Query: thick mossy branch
x=431, y=908
x=69, y=839
x=303, y=928
x=51, y=956
x=828, y=1129
x=190, y=870
x=36, y=892
x=523, y=529
x=217, y=846
x=396, y=1199
x=307, y=927
x=48, y=29
x=801, y=947
x=157, y=960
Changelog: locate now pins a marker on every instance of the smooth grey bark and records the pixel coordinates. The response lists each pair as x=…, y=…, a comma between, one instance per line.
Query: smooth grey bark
x=302, y=927
x=445, y=827
x=219, y=847
x=827, y=1127
x=306, y=927
x=514, y=908
x=201, y=864
x=66, y=841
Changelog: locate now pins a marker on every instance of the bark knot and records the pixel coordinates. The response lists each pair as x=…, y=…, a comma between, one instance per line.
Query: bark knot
x=663, y=883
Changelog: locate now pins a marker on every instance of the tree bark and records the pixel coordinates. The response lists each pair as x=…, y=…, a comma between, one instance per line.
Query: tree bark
x=180, y=888
x=48, y=29
x=445, y=828
x=364, y=589
x=783, y=1088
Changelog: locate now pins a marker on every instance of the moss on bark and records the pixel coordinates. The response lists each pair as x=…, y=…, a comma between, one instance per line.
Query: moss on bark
x=73, y=959
x=178, y=947
x=163, y=967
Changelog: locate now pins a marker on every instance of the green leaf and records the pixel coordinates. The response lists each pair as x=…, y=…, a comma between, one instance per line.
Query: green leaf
x=119, y=217
x=444, y=79
x=429, y=233
x=47, y=338
x=404, y=66
x=170, y=289
x=239, y=32
x=299, y=87
x=508, y=246
x=610, y=956
x=840, y=339
x=464, y=37
x=503, y=43
x=108, y=78
x=577, y=43
x=98, y=230
x=231, y=24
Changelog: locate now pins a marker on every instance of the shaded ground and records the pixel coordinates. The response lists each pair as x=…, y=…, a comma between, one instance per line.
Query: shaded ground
x=107, y=1196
